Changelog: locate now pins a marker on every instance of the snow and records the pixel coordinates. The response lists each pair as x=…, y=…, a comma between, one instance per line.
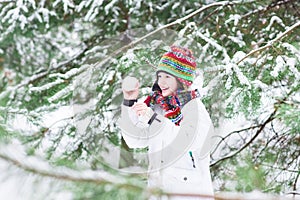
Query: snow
x=235, y=18
x=175, y=5
x=292, y=62
x=149, y=27
x=61, y=113
x=275, y=19
x=292, y=49
x=46, y=86
x=47, y=188
x=280, y=63
x=259, y=84
x=66, y=4
x=228, y=83
x=128, y=58
x=60, y=94
x=242, y=78
x=15, y=151
x=56, y=118
x=29, y=183
x=238, y=39
x=214, y=44
x=15, y=186
x=110, y=6
x=20, y=123
x=239, y=55
x=33, y=3
x=23, y=21
x=93, y=11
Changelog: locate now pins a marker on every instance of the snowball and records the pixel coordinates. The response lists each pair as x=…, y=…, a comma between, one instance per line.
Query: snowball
x=130, y=83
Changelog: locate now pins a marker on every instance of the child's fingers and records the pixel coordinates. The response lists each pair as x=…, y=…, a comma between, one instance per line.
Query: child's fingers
x=139, y=105
x=139, y=108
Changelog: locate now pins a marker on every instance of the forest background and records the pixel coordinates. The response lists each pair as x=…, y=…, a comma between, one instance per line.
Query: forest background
x=61, y=67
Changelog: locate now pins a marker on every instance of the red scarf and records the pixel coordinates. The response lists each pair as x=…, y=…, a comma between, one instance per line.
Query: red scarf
x=172, y=104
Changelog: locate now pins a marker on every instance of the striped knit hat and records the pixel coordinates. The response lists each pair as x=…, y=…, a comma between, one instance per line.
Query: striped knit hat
x=180, y=63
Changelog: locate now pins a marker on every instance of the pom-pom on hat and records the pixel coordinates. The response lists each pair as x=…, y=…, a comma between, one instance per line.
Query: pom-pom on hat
x=180, y=63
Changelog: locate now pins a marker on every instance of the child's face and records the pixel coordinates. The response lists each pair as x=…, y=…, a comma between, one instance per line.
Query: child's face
x=167, y=83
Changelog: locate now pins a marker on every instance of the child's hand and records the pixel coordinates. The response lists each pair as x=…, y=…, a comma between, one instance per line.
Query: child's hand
x=140, y=108
x=143, y=112
x=130, y=87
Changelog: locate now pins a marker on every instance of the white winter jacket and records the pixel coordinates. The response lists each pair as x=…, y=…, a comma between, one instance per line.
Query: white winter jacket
x=178, y=155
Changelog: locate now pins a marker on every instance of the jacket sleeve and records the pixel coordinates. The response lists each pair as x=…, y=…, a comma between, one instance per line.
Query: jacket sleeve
x=193, y=134
x=134, y=136
x=139, y=135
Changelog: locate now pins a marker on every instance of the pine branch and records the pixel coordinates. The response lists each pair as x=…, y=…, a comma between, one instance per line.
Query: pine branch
x=267, y=46
x=86, y=44
x=99, y=64
x=66, y=174
x=178, y=21
x=270, y=43
x=268, y=142
x=40, y=75
x=271, y=6
x=95, y=177
x=7, y=1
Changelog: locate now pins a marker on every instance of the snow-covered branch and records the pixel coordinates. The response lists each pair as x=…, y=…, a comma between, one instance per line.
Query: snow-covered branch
x=264, y=9
x=7, y=1
x=23, y=83
x=270, y=43
x=36, y=166
x=41, y=75
x=216, y=45
x=178, y=21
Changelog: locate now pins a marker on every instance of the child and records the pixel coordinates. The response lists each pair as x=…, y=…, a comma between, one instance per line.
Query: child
x=175, y=126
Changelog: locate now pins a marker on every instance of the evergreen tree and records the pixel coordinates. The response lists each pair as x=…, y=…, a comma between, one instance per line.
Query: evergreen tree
x=61, y=66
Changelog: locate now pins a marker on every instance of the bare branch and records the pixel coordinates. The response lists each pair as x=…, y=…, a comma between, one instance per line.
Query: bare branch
x=280, y=168
x=234, y=132
x=295, y=182
x=262, y=126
